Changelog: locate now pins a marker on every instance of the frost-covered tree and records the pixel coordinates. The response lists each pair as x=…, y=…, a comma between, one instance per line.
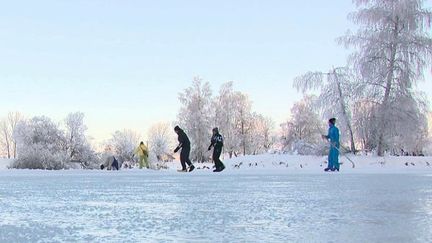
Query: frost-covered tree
x=195, y=117
x=40, y=144
x=227, y=113
x=244, y=132
x=77, y=145
x=244, y=122
x=334, y=99
x=365, y=124
x=262, y=134
x=7, y=126
x=302, y=132
x=393, y=47
x=409, y=138
x=160, y=140
x=122, y=144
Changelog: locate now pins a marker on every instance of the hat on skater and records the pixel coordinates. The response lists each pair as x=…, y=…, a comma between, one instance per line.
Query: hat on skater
x=215, y=129
x=177, y=128
x=332, y=120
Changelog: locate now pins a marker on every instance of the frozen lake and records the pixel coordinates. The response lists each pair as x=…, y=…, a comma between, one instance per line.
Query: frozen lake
x=135, y=206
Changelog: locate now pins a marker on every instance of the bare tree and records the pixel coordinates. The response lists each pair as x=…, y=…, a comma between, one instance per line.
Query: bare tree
x=7, y=127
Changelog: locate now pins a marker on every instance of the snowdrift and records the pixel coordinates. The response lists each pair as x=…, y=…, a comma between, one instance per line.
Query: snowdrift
x=4, y=163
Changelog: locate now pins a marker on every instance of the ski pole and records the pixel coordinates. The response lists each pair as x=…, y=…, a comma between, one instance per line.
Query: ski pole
x=352, y=162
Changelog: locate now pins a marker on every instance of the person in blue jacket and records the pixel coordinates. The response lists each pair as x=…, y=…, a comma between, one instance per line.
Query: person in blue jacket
x=333, y=138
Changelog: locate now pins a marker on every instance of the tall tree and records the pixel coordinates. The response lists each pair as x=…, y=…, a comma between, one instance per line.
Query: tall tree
x=195, y=117
x=393, y=46
x=225, y=117
x=7, y=127
x=334, y=98
x=77, y=145
x=243, y=120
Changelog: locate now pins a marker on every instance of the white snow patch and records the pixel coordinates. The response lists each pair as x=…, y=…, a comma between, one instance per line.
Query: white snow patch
x=285, y=163
x=4, y=163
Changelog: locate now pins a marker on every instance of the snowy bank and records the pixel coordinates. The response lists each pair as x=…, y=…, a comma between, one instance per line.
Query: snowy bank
x=285, y=163
x=281, y=163
x=4, y=163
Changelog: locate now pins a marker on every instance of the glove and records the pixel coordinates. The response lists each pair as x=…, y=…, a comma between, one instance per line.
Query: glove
x=209, y=148
x=176, y=150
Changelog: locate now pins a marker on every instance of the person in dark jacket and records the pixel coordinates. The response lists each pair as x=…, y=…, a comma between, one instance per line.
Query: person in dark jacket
x=115, y=164
x=217, y=144
x=184, y=145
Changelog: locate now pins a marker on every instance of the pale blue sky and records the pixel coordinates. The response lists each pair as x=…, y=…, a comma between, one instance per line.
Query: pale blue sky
x=123, y=63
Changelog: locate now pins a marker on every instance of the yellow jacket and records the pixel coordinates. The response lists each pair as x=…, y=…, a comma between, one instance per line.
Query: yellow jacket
x=142, y=151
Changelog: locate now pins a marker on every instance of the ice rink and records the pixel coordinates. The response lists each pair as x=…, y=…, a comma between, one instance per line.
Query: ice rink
x=157, y=206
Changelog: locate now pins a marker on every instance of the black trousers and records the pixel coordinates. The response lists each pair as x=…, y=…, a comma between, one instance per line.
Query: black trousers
x=115, y=165
x=184, y=158
x=216, y=158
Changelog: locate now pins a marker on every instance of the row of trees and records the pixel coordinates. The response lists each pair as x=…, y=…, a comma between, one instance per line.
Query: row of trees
x=41, y=143
x=44, y=144
x=374, y=97
x=244, y=131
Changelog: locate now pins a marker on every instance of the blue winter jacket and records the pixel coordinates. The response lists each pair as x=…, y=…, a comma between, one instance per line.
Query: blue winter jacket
x=333, y=135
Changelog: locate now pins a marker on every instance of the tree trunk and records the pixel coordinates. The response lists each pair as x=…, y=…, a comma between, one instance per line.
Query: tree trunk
x=6, y=137
x=388, y=87
x=244, y=138
x=8, y=148
x=344, y=113
x=14, y=150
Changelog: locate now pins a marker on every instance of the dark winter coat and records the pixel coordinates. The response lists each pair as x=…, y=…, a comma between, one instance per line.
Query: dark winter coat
x=216, y=141
x=183, y=139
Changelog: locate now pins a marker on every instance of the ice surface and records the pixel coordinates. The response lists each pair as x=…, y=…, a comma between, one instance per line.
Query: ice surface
x=158, y=206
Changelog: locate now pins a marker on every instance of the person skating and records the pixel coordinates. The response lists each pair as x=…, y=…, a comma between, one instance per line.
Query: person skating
x=184, y=145
x=217, y=144
x=333, y=137
x=142, y=152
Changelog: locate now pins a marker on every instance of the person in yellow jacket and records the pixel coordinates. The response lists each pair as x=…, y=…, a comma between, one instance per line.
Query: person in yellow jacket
x=142, y=152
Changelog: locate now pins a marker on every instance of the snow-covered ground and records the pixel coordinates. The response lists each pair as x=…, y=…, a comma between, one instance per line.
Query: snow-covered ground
x=284, y=163
x=267, y=201
x=4, y=163
x=363, y=164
